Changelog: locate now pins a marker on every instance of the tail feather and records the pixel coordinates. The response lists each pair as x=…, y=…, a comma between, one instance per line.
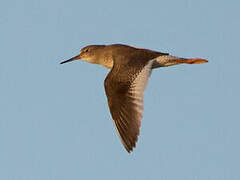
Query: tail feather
x=168, y=60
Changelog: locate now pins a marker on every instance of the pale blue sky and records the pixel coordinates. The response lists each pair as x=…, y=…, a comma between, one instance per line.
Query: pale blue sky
x=54, y=119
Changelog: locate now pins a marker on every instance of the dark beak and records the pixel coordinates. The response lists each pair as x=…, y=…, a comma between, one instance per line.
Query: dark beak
x=72, y=59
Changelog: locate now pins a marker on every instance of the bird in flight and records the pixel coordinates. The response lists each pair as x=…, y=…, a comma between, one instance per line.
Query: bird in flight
x=125, y=83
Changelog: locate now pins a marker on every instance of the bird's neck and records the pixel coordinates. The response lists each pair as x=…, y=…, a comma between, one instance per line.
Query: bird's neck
x=105, y=59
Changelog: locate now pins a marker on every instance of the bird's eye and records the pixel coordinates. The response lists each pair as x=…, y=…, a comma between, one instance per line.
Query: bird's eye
x=86, y=50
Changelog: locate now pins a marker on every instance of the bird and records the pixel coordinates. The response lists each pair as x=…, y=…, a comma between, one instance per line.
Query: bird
x=130, y=69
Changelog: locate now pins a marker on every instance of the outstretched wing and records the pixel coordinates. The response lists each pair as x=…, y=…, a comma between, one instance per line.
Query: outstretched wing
x=124, y=89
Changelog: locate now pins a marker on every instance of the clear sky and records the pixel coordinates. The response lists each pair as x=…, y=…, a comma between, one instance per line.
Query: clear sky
x=54, y=119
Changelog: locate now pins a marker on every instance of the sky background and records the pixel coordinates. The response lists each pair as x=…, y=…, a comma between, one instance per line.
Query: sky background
x=54, y=119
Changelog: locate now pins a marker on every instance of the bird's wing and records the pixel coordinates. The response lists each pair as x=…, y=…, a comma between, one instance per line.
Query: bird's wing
x=125, y=100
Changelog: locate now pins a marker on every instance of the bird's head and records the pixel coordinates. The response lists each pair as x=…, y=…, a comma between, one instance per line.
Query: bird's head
x=88, y=54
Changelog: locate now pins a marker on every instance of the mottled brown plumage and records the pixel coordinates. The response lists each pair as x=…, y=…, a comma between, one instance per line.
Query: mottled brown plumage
x=125, y=83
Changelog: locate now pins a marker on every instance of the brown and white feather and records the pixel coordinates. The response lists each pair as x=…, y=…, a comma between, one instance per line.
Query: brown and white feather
x=125, y=100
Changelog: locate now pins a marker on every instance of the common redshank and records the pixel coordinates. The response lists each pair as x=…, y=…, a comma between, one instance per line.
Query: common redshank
x=125, y=83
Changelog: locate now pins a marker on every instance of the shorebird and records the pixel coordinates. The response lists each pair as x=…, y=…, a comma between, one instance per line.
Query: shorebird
x=125, y=83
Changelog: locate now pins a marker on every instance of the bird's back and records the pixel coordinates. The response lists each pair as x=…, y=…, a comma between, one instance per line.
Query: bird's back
x=132, y=56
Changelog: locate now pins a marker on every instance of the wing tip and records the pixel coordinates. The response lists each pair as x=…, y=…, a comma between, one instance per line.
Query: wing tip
x=130, y=149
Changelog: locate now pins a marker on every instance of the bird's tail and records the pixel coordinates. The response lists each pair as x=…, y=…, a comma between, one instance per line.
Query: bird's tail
x=168, y=60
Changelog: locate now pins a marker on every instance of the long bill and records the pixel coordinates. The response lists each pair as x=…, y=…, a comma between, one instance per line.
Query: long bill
x=72, y=59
